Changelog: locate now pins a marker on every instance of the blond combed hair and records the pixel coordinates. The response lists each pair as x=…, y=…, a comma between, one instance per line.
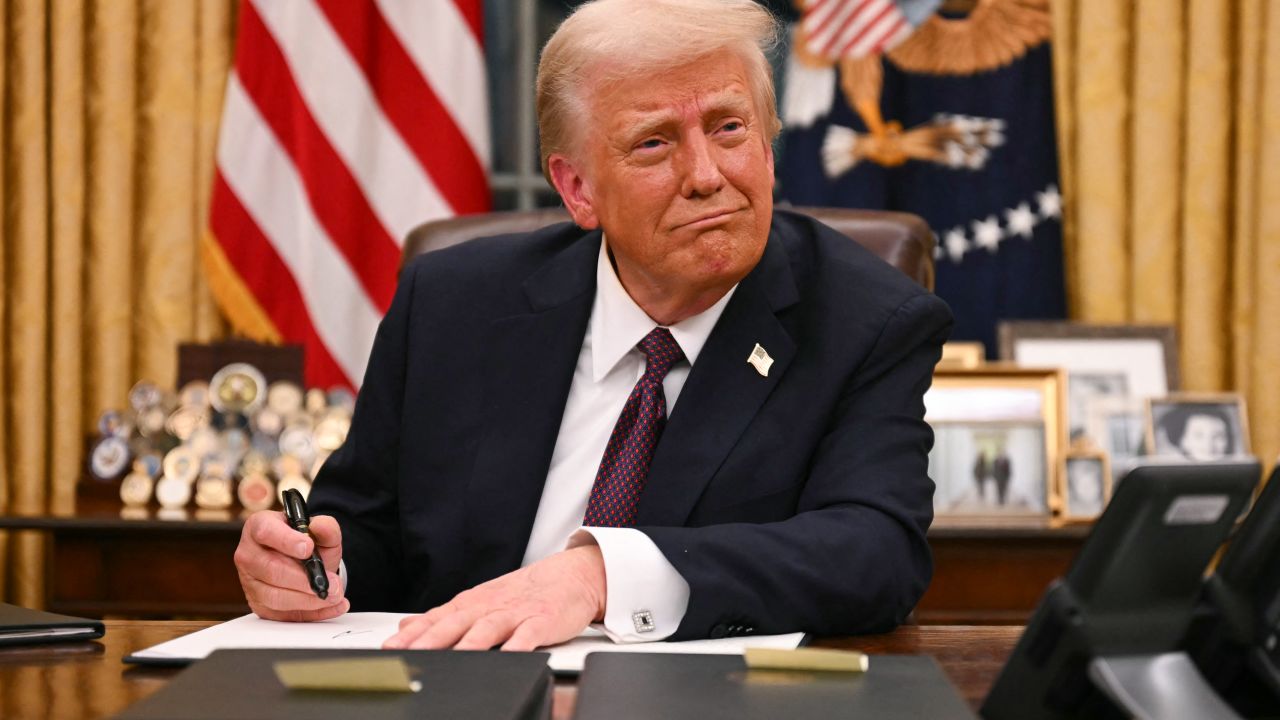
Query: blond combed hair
x=604, y=39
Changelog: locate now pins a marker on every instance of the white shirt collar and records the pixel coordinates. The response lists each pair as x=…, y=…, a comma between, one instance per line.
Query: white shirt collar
x=618, y=324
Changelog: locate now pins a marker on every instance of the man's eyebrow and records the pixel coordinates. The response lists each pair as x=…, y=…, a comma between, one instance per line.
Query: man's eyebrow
x=641, y=122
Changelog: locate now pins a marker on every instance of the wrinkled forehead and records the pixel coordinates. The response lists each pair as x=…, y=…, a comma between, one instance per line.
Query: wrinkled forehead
x=617, y=97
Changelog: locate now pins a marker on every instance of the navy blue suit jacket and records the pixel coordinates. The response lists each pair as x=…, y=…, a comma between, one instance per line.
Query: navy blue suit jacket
x=796, y=501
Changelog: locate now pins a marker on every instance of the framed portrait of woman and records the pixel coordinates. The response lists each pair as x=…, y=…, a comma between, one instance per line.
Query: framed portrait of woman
x=1198, y=427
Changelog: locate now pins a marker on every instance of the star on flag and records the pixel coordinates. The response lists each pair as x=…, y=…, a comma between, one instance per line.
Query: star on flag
x=1020, y=221
x=1050, y=202
x=987, y=234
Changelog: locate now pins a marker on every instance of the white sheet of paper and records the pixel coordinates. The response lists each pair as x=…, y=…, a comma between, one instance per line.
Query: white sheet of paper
x=364, y=631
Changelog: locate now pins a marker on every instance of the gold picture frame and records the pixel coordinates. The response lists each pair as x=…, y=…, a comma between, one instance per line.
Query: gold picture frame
x=999, y=437
x=962, y=355
x=1086, y=484
x=1224, y=418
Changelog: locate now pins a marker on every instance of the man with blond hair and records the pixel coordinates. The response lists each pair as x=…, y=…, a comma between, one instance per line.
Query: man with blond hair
x=684, y=415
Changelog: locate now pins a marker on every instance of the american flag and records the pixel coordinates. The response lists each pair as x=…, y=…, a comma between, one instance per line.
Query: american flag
x=346, y=123
x=835, y=29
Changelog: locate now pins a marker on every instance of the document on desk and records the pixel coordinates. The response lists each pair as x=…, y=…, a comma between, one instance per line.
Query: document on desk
x=368, y=630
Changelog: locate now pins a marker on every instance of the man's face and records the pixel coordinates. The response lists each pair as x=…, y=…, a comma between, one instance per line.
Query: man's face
x=1205, y=438
x=677, y=170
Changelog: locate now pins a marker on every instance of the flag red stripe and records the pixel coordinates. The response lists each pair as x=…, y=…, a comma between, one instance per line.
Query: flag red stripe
x=428, y=129
x=867, y=28
x=829, y=46
x=268, y=278
x=812, y=10
x=337, y=199
x=471, y=11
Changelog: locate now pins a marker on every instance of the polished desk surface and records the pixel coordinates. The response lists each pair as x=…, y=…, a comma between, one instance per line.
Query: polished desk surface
x=88, y=679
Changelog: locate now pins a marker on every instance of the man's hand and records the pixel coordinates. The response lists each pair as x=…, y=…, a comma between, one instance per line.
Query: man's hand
x=545, y=603
x=272, y=577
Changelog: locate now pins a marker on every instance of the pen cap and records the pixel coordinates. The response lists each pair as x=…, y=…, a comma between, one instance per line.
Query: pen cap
x=295, y=508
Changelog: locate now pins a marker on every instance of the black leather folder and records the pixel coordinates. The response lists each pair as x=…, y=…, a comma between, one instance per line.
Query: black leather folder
x=242, y=684
x=23, y=626
x=635, y=686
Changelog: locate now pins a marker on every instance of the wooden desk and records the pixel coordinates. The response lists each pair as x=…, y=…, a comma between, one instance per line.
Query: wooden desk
x=104, y=561
x=101, y=564
x=88, y=680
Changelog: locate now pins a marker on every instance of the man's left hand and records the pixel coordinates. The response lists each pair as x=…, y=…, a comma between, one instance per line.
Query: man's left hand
x=548, y=602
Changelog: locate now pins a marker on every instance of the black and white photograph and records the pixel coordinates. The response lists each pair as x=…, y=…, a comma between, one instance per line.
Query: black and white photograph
x=1118, y=426
x=1198, y=428
x=1084, y=386
x=1088, y=485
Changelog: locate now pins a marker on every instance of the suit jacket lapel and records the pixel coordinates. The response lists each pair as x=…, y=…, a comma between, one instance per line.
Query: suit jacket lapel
x=723, y=392
x=530, y=368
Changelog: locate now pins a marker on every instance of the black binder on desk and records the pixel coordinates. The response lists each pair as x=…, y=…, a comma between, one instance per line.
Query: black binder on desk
x=459, y=685
x=639, y=686
x=23, y=626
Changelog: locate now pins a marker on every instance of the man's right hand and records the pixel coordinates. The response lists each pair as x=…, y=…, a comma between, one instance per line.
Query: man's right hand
x=269, y=562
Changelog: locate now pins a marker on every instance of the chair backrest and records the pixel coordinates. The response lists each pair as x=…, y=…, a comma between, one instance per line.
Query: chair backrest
x=900, y=239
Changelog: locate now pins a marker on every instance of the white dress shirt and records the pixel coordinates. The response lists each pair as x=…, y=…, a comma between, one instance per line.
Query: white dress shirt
x=640, y=581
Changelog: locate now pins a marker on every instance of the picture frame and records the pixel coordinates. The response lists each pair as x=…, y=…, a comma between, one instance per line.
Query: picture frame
x=1101, y=360
x=1118, y=426
x=1198, y=427
x=1086, y=484
x=959, y=354
x=998, y=439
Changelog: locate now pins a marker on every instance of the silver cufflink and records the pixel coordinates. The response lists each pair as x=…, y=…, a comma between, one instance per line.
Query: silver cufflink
x=643, y=620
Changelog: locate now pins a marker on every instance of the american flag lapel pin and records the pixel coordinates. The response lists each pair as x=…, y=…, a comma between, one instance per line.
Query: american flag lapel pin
x=760, y=360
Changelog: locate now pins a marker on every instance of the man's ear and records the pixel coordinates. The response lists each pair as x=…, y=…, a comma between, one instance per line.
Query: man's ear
x=573, y=191
x=768, y=157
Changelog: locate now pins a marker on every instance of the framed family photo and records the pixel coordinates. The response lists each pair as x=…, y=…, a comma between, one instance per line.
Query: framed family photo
x=1198, y=427
x=1102, y=361
x=1086, y=485
x=997, y=439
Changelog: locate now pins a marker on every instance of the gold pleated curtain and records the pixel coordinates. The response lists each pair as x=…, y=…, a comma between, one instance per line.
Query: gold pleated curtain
x=1169, y=138
x=110, y=114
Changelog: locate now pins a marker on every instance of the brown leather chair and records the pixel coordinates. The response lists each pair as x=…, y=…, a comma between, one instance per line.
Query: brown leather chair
x=900, y=239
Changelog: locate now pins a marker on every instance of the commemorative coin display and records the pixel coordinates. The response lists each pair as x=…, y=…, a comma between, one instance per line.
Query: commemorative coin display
x=233, y=439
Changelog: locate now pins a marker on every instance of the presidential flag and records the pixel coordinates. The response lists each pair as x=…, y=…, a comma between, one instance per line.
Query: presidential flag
x=346, y=124
x=955, y=124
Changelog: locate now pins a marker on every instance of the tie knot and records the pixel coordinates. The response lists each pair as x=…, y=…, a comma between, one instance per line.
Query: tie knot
x=661, y=350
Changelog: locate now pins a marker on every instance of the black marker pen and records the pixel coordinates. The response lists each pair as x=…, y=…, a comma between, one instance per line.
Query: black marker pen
x=295, y=510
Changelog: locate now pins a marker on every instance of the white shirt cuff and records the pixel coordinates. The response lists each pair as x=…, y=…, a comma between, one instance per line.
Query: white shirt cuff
x=645, y=596
x=342, y=576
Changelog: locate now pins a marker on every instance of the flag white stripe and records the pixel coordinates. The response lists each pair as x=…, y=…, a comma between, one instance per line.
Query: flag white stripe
x=823, y=40
x=343, y=104
x=875, y=7
x=440, y=42
x=817, y=13
x=260, y=173
x=876, y=34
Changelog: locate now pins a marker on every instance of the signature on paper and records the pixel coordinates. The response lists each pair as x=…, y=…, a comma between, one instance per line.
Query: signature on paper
x=351, y=632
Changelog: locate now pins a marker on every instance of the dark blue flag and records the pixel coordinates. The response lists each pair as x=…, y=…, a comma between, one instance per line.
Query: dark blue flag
x=955, y=125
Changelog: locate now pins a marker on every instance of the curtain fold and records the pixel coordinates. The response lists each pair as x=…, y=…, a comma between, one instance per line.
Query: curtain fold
x=1169, y=119
x=110, y=116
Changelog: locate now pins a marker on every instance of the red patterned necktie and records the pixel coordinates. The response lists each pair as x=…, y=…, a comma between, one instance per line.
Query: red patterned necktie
x=625, y=466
